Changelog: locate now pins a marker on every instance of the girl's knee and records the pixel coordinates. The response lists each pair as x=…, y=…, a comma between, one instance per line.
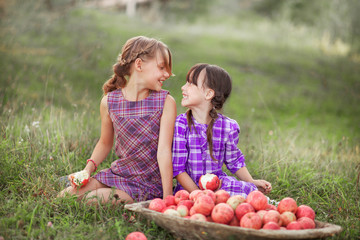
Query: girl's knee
x=68, y=190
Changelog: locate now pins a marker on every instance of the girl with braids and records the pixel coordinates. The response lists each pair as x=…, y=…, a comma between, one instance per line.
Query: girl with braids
x=141, y=116
x=204, y=140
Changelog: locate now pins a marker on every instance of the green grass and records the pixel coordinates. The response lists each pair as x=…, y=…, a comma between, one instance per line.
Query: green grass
x=297, y=108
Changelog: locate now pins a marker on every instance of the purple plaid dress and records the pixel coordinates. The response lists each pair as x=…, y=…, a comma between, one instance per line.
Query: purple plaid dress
x=190, y=153
x=136, y=128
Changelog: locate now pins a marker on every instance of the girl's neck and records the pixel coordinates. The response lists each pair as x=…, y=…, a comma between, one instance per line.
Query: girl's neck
x=135, y=92
x=201, y=115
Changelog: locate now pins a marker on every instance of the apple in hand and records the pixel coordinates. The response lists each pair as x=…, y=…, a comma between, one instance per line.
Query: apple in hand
x=209, y=181
x=80, y=179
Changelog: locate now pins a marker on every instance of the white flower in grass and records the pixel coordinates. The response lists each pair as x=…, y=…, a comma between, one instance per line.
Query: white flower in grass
x=27, y=129
x=36, y=124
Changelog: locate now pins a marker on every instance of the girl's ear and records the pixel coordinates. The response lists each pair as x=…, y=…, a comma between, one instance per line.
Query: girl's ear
x=209, y=94
x=138, y=64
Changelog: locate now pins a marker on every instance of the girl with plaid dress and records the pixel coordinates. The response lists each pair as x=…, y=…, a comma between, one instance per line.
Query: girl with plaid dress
x=141, y=116
x=205, y=140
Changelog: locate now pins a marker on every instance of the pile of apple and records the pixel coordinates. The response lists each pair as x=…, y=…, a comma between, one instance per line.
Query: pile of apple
x=254, y=211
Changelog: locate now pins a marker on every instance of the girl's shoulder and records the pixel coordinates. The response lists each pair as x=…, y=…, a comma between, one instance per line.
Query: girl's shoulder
x=181, y=119
x=162, y=93
x=227, y=122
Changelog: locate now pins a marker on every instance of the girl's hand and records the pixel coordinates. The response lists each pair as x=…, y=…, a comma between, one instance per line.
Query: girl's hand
x=263, y=186
x=220, y=184
x=79, y=179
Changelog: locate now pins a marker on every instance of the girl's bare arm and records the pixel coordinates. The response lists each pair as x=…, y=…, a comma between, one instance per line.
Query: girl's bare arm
x=186, y=182
x=164, y=157
x=105, y=143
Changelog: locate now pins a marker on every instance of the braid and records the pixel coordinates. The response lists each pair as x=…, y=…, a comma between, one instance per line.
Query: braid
x=189, y=120
x=209, y=132
x=118, y=79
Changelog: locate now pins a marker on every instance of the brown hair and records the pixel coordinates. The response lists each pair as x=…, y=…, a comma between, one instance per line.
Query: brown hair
x=136, y=47
x=220, y=82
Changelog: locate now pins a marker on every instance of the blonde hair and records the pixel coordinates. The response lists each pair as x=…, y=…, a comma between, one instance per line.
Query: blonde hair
x=136, y=47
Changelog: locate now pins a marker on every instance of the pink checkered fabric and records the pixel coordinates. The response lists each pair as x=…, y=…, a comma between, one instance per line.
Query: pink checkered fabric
x=136, y=127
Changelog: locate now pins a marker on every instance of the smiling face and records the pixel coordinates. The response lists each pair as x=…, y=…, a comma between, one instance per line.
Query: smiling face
x=155, y=71
x=195, y=95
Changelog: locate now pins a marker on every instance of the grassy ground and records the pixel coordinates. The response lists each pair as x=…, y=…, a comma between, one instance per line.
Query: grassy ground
x=297, y=108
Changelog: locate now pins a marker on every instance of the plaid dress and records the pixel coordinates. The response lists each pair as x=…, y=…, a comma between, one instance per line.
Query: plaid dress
x=190, y=153
x=136, y=128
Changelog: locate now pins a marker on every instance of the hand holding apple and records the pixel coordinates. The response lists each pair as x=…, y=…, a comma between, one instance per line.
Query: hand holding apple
x=209, y=181
x=79, y=179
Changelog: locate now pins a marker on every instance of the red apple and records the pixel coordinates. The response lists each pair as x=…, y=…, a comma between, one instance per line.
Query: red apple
x=242, y=209
x=251, y=220
x=209, y=181
x=157, y=204
x=271, y=207
x=183, y=210
x=194, y=194
x=198, y=217
x=172, y=212
x=222, y=213
x=234, y=201
x=234, y=222
x=169, y=207
x=271, y=226
x=221, y=196
x=169, y=200
x=192, y=211
x=210, y=193
x=258, y=200
x=181, y=195
x=187, y=203
x=305, y=211
x=261, y=213
x=295, y=225
x=287, y=204
x=286, y=218
x=306, y=223
x=80, y=179
x=136, y=236
x=272, y=216
x=204, y=205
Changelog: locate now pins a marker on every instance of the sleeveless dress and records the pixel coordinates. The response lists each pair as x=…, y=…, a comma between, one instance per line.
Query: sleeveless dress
x=136, y=129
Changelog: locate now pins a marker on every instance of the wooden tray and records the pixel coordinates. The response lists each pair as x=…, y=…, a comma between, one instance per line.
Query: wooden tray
x=191, y=229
